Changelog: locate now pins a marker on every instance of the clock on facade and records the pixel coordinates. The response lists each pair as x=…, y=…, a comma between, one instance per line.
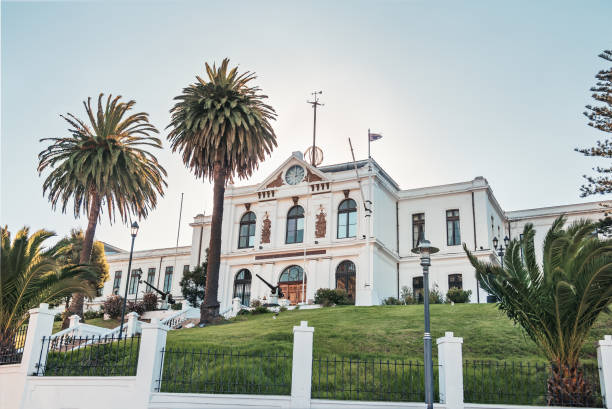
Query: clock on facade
x=294, y=175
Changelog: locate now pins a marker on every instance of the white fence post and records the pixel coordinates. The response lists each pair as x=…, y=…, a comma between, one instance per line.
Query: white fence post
x=132, y=324
x=150, y=359
x=604, y=362
x=301, y=371
x=40, y=325
x=74, y=321
x=450, y=359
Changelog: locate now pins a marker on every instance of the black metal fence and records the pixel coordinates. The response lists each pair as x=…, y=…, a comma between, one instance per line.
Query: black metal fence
x=89, y=356
x=209, y=371
x=373, y=380
x=524, y=384
x=11, y=345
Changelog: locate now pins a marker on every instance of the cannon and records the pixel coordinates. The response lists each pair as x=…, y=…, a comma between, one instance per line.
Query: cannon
x=275, y=292
x=163, y=294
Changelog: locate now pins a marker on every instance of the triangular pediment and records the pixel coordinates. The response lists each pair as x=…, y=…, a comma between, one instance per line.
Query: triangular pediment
x=277, y=179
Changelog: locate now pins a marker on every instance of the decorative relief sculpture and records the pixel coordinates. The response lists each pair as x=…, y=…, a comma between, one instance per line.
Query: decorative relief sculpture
x=321, y=225
x=265, y=230
x=278, y=182
x=311, y=177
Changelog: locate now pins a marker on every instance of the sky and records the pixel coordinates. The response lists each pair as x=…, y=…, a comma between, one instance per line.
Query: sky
x=458, y=89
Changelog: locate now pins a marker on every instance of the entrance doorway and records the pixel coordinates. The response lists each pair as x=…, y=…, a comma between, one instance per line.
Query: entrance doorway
x=293, y=282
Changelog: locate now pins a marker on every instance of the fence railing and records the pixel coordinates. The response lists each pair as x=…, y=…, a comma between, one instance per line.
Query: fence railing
x=88, y=356
x=370, y=379
x=11, y=346
x=198, y=371
x=525, y=384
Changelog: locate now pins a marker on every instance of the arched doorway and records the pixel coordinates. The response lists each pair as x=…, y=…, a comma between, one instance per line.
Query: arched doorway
x=345, y=278
x=292, y=282
x=242, y=286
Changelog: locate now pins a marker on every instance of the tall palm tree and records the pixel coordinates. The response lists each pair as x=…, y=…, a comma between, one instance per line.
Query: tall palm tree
x=105, y=163
x=222, y=128
x=32, y=275
x=558, y=303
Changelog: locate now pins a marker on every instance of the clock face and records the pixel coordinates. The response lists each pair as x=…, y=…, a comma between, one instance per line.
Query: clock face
x=294, y=175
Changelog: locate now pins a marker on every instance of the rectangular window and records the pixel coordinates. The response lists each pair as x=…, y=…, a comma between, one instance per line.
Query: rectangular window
x=133, y=282
x=521, y=243
x=186, y=268
x=455, y=281
x=418, y=228
x=417, y=288
x=295, y=230
x=117, y=282
x=150, y=278
x=168, y=279
x=453, y=236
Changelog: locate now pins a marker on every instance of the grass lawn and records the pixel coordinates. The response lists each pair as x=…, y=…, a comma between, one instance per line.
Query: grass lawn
x=390, y=332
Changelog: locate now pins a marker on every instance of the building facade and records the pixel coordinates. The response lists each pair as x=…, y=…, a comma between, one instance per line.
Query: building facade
x=342, y=226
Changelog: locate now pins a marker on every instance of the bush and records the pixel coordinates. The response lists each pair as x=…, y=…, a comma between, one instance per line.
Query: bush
x=435, y=295
x=260, y=309
x=58, y=317
x=91, y=314
x=457, y=295
x=255, y=303
x=391, y=301
x=407, y=296
x=137, y=307
x=193, y=284
x=176, y=306
x=328, y=297
x=113, y=305
x=150, y=301
x=282, y=309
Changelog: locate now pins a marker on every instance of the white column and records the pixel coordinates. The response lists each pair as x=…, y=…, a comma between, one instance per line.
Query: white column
x=604, y=362
x=301, y=371
x=74, y=320
x=39, y=326
x=150, y=359
x=450, y=359
x=132, y=324
x=235, y=306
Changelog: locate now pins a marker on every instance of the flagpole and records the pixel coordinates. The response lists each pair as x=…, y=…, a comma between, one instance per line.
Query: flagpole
x=369, y=156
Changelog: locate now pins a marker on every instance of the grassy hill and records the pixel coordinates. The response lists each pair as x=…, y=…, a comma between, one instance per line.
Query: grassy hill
x=379, y=332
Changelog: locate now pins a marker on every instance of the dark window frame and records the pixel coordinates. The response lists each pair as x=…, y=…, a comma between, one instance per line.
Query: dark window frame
x=455, y=281
x=453, y=228
x=133, y=284
x=417, y=290
x=418, y=228
x=243, y=283
x=117, y=282
x=168, y=284
x=293, y=216
x=287, y=272
x=150, y=278
x=344, y=272
x=249, y=219
x=345, y=208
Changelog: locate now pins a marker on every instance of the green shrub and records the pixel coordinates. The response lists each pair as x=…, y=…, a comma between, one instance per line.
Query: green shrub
x=328, y=297
x=457, y=295
x=391, y=301
x=137, y=307
x=113, y=305
x=282, y=309
x=91, y=314
x=255, y=303
x=58, y=317
x=150, y=301
x=407, y=296
x=435, y=295
x=176, y=306
x=260, y=309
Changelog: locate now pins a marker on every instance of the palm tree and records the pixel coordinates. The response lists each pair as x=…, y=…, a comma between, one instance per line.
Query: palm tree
x=558, y=303
x=222, y=128
x=32, y=275
x=104, y=162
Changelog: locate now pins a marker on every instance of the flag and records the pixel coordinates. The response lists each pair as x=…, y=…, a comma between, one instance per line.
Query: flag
x=375, y=136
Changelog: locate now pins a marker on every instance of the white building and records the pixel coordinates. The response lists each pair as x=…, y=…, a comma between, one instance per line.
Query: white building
x=309, y=227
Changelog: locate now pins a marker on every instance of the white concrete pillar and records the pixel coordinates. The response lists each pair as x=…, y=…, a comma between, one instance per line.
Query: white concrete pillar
x=74, y=320
x=450, y=359
x=235, y=306
x=40, y=325
x=132, y=324
x=150, y=359
x=301, y=371
x=604, y=362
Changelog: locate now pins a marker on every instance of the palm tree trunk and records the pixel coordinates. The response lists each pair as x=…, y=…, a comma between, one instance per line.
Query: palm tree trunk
x=567, y=386
x=76, y=305
x=209, y=310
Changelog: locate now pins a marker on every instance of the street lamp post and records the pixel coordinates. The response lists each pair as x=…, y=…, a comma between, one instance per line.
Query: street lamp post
x=134, y=232
x=501, y=251
x=138, y=274
x=425, y=249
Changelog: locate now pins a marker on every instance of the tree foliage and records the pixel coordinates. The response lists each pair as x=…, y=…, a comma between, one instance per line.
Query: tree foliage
x=600, y=117
x=32, y=275
x=193, y=284
x=558, y=302
x=74, y=245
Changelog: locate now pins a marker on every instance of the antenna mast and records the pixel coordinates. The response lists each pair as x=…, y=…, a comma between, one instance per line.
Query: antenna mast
x=314, y=104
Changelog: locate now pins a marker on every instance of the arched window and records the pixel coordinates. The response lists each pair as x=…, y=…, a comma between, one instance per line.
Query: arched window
x=242, y=286
x=292, y=282
x=246, y=235
x=345, y=277
x=295, y=225
x=347, y=219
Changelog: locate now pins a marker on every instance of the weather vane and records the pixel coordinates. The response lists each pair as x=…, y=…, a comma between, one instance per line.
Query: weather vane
x=315, y=153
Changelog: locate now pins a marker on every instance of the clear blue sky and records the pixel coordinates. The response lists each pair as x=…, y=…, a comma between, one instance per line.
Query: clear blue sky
x=459, y=89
